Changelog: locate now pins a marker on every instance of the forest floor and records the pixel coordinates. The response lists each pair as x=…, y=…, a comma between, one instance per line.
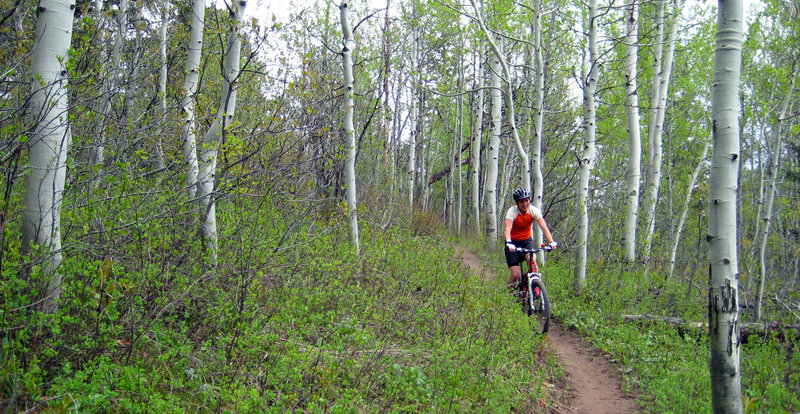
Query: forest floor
x=593, y=383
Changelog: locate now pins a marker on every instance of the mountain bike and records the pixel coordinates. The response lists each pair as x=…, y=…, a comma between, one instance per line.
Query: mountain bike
x=532, y=291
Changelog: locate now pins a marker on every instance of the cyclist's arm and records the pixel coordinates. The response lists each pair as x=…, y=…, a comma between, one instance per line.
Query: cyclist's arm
x=545, y=231
x=507, y=231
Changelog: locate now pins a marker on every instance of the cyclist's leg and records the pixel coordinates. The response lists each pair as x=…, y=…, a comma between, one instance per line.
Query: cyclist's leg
x=513, y=261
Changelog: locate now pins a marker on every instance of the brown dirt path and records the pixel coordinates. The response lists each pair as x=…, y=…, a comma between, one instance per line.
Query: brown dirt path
x=593, y=382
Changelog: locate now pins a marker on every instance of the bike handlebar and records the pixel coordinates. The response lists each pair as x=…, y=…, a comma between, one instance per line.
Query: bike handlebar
x=544, y=248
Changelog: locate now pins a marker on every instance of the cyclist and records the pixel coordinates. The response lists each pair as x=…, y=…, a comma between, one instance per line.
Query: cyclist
x=519, y=231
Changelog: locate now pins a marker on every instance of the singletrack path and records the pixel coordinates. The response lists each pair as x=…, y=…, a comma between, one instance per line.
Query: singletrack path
x=594, y=384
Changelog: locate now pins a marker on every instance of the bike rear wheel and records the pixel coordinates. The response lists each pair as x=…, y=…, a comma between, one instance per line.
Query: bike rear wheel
x=538, y=306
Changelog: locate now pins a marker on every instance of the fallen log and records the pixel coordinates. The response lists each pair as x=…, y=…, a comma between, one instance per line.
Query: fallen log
x=746, y=329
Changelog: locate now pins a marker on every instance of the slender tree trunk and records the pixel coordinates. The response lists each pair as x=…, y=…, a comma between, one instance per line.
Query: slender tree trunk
x=538, y=119
x=493, y=154
x=460, y=132
x=190, y=82
x=387, y=113
x=349, y=130
x=634, y=129
x=657, y=123
x=109, y=83
x=48, y=143
x=213, y=138
x=588, y=155
x=723, y=293
x=475, y=148
x=162, y=82
x=772, y=173
x=685, y=208
x=412, y=145
x=509, y=94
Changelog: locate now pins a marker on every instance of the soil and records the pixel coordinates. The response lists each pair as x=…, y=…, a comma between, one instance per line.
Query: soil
x=593, y=383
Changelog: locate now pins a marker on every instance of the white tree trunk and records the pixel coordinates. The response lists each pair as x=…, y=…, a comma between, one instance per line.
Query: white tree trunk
x=634, y=129
x=475, y=149
x=660, y=92
x=213, y=138
x=723, y=293
x=412, y=145
x=49, y=142
x=162, y=81
x=525, y=167
x=588, y=156
x=772, y=173
x=349, y=130
x=685, y=208
x=493, y=153
x=538, y=120
x=109, y=83
x=190, y=82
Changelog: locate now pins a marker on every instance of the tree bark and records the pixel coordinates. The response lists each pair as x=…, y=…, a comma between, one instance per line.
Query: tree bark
x=588, y=156
x=109, y=83
x=190, y=82
x=772, y=173
x=685, y=209
x=476, y=146
x=493, y=154
x=349, y=130
x=723, y=294
x=634, y=129
x=213, y=138
x=49, y=143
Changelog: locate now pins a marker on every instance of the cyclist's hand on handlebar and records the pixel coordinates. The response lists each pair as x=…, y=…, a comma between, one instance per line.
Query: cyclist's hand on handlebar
x=553, y=244
x=510, y=246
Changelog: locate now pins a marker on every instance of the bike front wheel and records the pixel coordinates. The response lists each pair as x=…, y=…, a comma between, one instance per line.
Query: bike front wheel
x=538, y=306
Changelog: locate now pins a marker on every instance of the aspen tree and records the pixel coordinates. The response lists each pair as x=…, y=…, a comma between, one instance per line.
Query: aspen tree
x=212, y=140
x=49, y=142
x=349, y=131
x=190, y=82
x=723, y=292
x=588, y=155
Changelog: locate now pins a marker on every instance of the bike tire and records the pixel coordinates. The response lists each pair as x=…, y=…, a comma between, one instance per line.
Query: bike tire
x=538, y=307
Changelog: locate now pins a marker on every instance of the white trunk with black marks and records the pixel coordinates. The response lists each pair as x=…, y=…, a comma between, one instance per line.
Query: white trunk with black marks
x=588, y=155
x=475, y=149
x=49, y=142
x=525, y=166
x=162, y=81
x=655, y=133
x=634, y=129
x=538, y=119
x=723, y=293
x=685, y=208
x=190, y=82
x=349, y=131
x=412, y=145
x=213, y=138
x=493, y=152
x=772, y=173
x=109, y=84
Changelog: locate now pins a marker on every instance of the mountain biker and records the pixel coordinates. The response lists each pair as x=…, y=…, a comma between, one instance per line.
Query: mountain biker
x=519, y=231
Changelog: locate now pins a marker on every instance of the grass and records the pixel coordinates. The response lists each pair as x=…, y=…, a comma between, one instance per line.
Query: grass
x=307, y=328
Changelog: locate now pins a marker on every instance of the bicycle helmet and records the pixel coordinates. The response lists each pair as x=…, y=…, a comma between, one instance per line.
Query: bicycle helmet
x=521, y=193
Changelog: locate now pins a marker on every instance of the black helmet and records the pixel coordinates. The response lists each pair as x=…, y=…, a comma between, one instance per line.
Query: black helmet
x=521, y=193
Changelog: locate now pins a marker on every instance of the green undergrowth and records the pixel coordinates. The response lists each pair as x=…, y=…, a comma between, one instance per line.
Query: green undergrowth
x=291, y=320
x=664, y=366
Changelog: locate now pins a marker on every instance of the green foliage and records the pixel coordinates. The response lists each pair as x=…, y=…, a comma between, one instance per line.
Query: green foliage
x=291, y=319
x=666, y=366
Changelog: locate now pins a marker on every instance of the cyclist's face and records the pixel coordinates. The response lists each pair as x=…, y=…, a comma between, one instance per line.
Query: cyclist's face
x=524, y=204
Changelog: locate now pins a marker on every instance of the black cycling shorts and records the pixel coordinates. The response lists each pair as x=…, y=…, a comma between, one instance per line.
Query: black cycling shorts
x=514, y=258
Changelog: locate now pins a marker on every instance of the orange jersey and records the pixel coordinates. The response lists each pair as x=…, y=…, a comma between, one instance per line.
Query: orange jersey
x=521, y=225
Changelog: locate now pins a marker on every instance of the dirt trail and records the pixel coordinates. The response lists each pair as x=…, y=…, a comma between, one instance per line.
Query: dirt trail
x=594, y=383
